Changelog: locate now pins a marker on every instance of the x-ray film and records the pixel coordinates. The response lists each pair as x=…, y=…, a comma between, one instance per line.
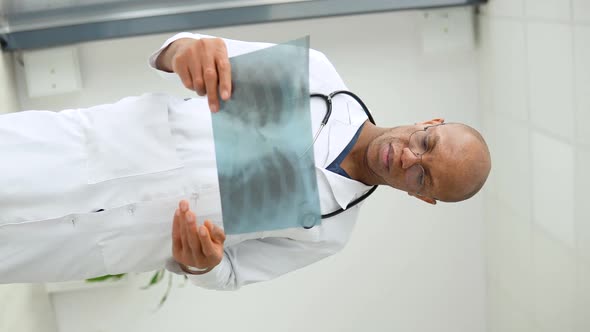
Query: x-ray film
x=266, y=180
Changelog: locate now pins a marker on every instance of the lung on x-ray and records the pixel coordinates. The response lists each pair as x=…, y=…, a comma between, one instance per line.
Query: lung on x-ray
x=267, y=179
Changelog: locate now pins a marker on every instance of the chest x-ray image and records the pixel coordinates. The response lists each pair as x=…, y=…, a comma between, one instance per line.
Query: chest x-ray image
x=267, y=179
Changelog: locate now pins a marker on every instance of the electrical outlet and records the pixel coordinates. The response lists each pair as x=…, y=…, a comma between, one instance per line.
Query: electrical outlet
x=52, y=71
x=447, y=30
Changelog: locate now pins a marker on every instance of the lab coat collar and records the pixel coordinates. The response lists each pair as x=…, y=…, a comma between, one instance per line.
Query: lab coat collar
x=346, y=119
x=342, y=125
x=345, y=190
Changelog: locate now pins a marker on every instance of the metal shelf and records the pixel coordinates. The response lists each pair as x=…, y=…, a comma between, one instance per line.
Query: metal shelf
x=32, y=24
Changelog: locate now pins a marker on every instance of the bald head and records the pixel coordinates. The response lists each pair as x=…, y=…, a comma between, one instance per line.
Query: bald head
x=469, y=164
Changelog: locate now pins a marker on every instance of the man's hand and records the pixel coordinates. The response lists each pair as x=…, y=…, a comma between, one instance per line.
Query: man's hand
x=194, y=245
x=203, y=66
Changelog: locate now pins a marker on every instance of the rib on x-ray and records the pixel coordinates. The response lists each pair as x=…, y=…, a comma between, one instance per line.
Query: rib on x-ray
x=266, y=181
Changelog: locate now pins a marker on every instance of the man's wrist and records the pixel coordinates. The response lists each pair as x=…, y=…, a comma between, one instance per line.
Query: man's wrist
x=194, y=270
x=164, y=60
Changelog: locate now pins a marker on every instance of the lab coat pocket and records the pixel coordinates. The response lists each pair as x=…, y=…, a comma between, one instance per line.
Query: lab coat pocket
x=129, y=138
x=139, y=238
x=50, y=250
x=140, y=251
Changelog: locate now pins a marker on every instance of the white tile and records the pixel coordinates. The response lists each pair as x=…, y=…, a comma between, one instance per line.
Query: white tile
x=582, y=210
x=539, y=327
x=504, y=315
x=553, y=187
x=582, y=320
x=508, y=68
x=512, y=8
x=492, y=229
x=511, y=165
x=489, y=132
x=554, y=279
x=581, y=10
x=484, y=58
x=509, y=249
x=549, y=9
x=582, y=73
x=492, y=238
x=550, y=77
x=488, y=118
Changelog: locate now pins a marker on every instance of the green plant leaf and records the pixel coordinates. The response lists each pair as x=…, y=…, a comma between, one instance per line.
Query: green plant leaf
x=185, y=281
x=115, y=277
x=167, y=291
x=155, y=278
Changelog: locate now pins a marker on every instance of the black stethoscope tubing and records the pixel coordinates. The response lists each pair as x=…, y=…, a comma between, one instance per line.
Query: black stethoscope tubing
x=328, y=100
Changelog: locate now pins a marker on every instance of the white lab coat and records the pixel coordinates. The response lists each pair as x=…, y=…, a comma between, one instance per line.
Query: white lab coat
x=135, y=160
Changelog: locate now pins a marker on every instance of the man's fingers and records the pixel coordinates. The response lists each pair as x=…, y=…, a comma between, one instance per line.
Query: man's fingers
x=185, y=216
x=224, y=72
x=223, y=69
x=176, y=239
x=183, y=205
x=192, y=236
x=209, y=225
x=217, y=234
x=211, y=81
x=211, y=86
x=183, y=221
x=197, y=77
x=186, y=78
x=204, y=67
x=206, y=243
x=194, y=245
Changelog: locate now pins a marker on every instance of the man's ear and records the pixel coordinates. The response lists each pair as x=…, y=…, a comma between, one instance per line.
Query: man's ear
x=432, y=122
x=428, y=200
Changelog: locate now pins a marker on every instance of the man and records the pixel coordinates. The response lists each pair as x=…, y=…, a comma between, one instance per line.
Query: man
x=430, y=160
x=128, y=164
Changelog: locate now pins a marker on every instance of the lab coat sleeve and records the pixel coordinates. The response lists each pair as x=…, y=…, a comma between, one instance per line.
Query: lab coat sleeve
x=234, y=48
x=258, y=260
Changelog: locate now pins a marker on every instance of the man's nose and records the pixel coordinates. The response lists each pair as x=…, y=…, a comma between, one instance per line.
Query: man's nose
x=408, y=158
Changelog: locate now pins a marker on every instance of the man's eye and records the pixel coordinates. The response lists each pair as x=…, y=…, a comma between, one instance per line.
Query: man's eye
x=420, y=180
x=425, y=144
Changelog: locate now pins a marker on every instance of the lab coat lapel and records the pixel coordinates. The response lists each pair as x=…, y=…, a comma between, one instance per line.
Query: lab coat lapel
x=341, y=131
x=343, y=124
x=347, y=117
x=344, y=189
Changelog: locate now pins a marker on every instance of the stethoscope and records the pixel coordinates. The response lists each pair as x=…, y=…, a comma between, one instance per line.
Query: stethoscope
x=328, y=100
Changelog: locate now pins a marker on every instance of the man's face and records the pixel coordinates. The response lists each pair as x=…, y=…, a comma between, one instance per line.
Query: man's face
x=453, y=160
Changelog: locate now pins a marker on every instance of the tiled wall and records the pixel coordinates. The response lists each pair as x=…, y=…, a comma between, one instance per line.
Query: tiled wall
x=535, y=104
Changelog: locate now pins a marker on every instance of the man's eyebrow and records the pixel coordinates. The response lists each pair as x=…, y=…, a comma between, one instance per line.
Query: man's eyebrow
x=434, y=143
